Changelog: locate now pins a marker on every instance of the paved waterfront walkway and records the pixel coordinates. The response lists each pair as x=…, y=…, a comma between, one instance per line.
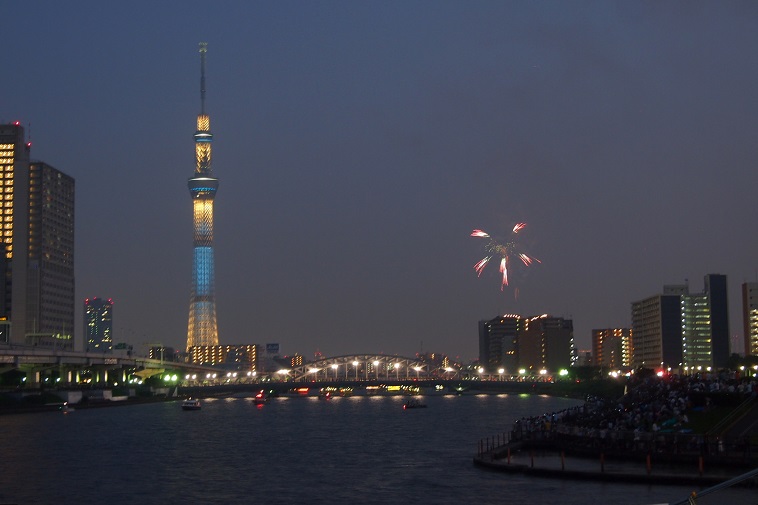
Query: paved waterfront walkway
x=547, y=463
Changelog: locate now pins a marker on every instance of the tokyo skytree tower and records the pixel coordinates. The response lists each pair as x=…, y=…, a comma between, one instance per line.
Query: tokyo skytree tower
x=202, y=329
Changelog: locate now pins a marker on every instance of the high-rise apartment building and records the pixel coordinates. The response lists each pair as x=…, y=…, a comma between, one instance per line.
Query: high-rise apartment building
x=657, y=330
x=612, y=347
x=696, y=331
x=50, y=281
x=238, y=357
x=98, y=324
x=546, y=342
x=750, y=317
x=683, y=329
x=14, y=227
x=36, y=247
x=718, y=304
x=512, y=342
x=497, y=343
x=202, y=329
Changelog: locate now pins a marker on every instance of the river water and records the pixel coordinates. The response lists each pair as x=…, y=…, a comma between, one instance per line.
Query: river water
x=355, y=450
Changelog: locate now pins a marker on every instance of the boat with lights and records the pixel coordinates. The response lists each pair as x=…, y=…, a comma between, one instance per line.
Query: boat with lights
x=260, y=397
x=191, y=404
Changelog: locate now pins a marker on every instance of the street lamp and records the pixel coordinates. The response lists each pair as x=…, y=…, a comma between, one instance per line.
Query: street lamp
x=418, y=369
x=355, y=364
x=314, y=371
x=376, y=367
x=335, y=366
x=397, y=371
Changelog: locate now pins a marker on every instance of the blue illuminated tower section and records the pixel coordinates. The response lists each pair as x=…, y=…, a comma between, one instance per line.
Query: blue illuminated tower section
x=202, y=329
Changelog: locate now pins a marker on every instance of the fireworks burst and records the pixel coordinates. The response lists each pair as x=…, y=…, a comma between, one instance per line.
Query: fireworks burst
x=504, y=251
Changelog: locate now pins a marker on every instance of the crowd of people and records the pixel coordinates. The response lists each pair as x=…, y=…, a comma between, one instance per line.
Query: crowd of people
x=653, y=414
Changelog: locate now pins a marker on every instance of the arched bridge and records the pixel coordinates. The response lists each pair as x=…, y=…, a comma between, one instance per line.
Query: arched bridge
x=366, y=367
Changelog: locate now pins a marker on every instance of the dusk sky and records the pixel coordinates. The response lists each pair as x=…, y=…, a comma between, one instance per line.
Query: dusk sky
x=358, y=144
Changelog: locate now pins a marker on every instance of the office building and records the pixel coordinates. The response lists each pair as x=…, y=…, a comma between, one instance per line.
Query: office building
x=50, y=282
x=202, y=328
x=750, y=317
x=98, y=324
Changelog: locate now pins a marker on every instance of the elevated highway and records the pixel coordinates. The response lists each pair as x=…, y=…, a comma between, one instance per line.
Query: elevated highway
x=69, y=367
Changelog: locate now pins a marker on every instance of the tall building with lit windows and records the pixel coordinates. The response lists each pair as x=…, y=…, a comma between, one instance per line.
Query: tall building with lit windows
x=750, y=317
x=238, y=357
x=546, y=342
x=50, y=282
x=14, y=230
x=36, y=247
x=679, y=329
x=202, y=329
x=98, y=324
x=705, y=325
x=512, y=342
x=611, y=347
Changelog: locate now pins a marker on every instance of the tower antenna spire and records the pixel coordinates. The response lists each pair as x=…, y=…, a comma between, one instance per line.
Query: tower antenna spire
x=203, y=50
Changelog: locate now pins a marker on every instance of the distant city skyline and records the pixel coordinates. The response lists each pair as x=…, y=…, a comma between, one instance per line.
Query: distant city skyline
x=359, y=145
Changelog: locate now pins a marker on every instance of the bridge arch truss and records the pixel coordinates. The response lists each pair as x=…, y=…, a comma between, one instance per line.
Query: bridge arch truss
x=363, y=367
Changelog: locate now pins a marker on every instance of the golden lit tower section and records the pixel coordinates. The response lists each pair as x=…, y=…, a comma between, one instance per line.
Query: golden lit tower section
x=202, y=329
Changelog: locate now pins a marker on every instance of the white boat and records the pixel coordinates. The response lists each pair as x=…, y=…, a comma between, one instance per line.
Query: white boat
x=191, y=404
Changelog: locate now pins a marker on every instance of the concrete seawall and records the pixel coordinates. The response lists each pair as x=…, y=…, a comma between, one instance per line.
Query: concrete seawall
x=514, y=458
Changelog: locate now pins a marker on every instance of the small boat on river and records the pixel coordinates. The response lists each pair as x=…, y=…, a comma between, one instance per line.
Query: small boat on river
x=413, y=403
x=191, y=404
x=260, y=397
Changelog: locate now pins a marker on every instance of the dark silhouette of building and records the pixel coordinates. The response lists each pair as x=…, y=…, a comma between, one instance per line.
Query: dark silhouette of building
x=718, y=305
x=50, y=282
x=497, y=343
